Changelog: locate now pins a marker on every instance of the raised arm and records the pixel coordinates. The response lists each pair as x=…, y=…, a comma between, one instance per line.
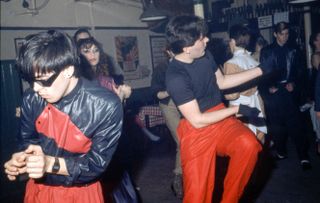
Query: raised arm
x=236, y=79
x=233, y=80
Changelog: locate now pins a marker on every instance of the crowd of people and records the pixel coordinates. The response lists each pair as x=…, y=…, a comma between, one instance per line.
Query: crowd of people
x=72, y=116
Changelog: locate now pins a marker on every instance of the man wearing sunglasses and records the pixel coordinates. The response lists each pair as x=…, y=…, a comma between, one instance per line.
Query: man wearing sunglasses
x=69, y=126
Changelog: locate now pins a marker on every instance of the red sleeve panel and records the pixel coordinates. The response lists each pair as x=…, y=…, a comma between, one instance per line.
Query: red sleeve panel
x=57, y=125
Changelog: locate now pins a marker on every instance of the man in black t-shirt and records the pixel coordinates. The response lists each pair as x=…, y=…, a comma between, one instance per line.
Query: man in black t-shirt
x=208, y=127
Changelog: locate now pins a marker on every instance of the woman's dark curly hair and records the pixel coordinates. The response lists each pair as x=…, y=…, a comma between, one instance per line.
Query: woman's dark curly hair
x=104, y=65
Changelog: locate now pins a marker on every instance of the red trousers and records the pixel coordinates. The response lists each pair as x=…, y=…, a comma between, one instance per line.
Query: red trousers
x=39, y=193
x=199, y=148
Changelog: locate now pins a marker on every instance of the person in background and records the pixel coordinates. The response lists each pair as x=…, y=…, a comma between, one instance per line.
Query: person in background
x=246, y=94
x=220, y=50
x=96, y=66
x=69, y=126
x=314, y=78
x=280, y=92
x=172, y=118
x=317, y=99
x=105, y=63
x=259, y=44
x=208, y=128
x=81, y=33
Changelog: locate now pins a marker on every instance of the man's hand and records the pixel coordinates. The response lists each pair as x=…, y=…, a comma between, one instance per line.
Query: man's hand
x=16, y=165
x=123, y=91
x=318, y=115
x=126, y=90
x=36, y=161
x=273, y=90
x=248, y=111
x=290, y=87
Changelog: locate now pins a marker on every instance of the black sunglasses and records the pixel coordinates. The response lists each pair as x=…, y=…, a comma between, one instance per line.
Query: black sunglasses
x=48, y=82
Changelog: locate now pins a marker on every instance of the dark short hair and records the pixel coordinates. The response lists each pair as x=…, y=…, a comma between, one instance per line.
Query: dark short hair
x=183, y=31
x=279, y=27
x=46, y=52
x=79, y=31
x=313, y=38
x=241, y=34
x=261, y=41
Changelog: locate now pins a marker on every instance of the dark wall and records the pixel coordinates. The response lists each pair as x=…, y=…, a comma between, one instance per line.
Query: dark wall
x=10, y=100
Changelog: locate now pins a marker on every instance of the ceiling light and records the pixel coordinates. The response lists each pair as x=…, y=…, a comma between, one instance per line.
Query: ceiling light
x=151, y=13
x=300, y=1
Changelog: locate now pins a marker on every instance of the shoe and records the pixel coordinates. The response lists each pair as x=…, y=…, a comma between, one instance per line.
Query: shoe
x=271, y=144
x=177, y=186
x=280, y=156
x=305, y=164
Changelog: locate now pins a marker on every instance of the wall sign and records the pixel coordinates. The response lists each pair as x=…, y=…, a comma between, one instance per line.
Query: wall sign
x=265, y=21
x=158, y=46
x=18, y=42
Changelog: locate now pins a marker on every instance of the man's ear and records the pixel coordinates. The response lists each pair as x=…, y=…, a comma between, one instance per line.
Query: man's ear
x=232, y=42
x=186, y=50
x=68, y=72
x=275, y=34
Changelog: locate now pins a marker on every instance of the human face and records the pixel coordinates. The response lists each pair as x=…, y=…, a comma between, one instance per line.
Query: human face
x=199, y=47
x=92, y=54
x=82, y=35
x=258, y=48
x=48, y=82
x=282, y=37
x=317, y=42
x=232, y=45
x=51, y=86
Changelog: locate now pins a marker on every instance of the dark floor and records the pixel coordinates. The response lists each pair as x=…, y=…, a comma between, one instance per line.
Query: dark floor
x=151, y=170
x=281, y=181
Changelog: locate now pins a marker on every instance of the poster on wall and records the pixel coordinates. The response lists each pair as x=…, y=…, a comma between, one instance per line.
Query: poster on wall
x=281, y=17
x=158, y=45
x=265, y=21
x=127, y=55
x=18, y=42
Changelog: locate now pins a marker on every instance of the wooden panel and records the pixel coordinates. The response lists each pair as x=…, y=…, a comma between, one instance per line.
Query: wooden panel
x=10, y=100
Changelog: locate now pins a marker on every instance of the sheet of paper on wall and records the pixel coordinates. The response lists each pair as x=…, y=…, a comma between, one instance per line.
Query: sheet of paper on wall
x=158, y=46
x=281, y=17
x=265, y=21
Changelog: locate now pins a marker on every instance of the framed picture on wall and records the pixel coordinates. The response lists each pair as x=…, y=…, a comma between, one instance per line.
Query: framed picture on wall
x=158, y=46
x=18, y=42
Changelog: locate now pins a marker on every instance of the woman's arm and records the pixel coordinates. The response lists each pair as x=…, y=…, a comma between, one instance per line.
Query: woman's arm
x=123, y=91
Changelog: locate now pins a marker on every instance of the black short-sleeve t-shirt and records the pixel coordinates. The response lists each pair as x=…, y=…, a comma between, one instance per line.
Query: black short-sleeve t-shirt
x=186, y=82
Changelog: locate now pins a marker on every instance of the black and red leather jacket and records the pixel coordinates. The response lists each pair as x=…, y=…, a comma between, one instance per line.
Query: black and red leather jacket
x=83, y=128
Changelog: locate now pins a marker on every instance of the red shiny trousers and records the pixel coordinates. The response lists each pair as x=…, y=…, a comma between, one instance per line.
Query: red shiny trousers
x=39, y=193
x=199, y=148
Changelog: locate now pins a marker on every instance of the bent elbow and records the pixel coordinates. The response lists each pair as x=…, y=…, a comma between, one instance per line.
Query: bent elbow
x=197, y=124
